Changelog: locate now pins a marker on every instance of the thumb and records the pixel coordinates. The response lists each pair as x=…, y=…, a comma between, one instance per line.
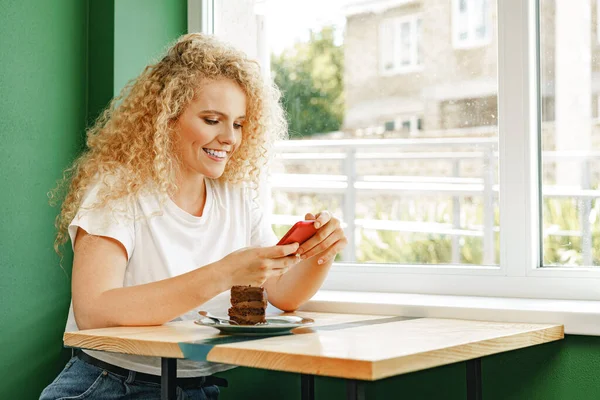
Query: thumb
x=280, y=251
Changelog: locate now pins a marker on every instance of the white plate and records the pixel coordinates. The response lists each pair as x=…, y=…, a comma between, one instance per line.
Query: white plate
x=276, y=325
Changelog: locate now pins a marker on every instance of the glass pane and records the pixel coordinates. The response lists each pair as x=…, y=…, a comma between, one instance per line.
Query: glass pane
x=407, y=159
x=481, y=14
x=570, y=64
x=462, y=21
x=387, y=45
x=405, y=43
x=419, y=49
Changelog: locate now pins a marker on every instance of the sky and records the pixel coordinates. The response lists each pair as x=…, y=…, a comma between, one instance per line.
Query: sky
x=290, y=20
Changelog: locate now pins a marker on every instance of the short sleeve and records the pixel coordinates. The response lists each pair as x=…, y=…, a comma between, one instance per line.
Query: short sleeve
x=262, y=231
x=115, y=220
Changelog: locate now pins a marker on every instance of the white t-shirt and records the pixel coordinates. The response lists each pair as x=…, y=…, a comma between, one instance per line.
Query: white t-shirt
x=171, y=242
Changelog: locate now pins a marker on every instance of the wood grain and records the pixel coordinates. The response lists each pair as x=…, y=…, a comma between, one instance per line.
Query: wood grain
x=367, y=352
x=162, y=341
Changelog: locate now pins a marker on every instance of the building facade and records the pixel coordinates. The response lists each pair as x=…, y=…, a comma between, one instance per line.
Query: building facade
x=429, y=68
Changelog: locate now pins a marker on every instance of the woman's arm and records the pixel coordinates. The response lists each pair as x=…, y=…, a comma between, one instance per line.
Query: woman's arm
x=292, y=289
x=100, y=300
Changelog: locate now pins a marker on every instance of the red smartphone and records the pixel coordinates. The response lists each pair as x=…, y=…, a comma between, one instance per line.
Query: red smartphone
x=299, y=233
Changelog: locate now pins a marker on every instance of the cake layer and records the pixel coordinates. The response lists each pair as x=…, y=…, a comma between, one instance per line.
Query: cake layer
x=248, y=319
x=246, y=311
x=250, y=304
x=247, y=293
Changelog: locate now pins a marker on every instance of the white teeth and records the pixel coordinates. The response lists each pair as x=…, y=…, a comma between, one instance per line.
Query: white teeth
x=216, y=153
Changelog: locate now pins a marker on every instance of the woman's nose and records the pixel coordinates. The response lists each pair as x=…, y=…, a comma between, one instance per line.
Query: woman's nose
x=228, y=135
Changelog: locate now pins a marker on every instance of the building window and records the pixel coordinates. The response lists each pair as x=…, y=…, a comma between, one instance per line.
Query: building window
x=471, y=23
x=399, y=44
x=408, y=124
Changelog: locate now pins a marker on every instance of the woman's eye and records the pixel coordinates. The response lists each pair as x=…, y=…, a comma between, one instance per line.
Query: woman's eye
x=238, y=126
x=211, y=121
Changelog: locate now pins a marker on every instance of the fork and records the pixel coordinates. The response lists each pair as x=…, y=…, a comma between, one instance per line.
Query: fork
x=216, y=319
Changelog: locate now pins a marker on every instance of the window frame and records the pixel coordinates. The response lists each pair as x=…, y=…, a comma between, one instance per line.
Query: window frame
x=396, y=22
x=470, y=42
x=201, y=16
x=520, y=273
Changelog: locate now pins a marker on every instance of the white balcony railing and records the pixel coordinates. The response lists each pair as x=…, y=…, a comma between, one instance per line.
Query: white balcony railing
x=351, y=182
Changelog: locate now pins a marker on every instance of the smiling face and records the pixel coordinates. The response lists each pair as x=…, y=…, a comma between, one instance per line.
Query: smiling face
x=210, y=128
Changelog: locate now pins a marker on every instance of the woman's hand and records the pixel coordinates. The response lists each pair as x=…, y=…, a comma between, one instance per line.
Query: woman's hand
x=254, y=265
x=327, y=242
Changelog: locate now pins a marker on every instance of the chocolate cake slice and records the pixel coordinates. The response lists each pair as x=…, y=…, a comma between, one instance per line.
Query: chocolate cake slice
x=249, y=304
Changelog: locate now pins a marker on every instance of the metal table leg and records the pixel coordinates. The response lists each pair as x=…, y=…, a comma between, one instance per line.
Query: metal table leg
x=168, y=379
x=307, y=387
x=355, y=389
x=474, y=379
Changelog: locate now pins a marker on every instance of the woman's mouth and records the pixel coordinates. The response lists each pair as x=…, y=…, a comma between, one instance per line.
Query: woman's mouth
x=217, y=155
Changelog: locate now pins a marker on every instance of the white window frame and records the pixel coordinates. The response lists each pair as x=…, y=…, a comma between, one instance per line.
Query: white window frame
x=396, y=23
x=470, y=41
x=519, y=274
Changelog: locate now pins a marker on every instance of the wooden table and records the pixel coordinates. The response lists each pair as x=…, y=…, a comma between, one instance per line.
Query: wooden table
x=358, y=348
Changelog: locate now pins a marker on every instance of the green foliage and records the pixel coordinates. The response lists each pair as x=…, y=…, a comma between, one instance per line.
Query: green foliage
x=310, y=75
x=280, y=230
x=423, y=248
x=564, y=215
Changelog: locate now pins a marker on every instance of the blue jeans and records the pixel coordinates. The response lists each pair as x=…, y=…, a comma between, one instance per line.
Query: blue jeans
x=80, y=380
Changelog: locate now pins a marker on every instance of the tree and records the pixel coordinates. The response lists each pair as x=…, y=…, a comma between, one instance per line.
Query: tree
x=310, y=75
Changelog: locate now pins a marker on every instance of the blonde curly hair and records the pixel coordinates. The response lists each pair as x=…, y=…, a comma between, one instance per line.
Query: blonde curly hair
x=133, y=139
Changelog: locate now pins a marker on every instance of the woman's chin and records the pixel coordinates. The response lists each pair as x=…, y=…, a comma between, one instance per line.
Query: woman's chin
x=210, y=172
x=214, y=174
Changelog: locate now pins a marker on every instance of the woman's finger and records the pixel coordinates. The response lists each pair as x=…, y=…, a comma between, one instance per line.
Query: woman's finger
x=322, y=234
x=333, y=250
x=322, y=218
x=317, y=238
x=281, y=250
x=284, y=262
x=322, y=246
x=309, y=217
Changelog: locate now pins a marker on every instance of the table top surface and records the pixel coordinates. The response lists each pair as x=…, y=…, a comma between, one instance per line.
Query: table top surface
x=367, y=347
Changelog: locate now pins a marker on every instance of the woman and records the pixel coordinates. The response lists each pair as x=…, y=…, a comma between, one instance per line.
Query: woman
x=162, y=215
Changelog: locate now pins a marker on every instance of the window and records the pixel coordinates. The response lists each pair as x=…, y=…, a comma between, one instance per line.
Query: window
x=597, y=21
x=399, y=43
x=416, y=196
x=571, y=138
x=471, y=25
x=409, y=125
x=469, y=202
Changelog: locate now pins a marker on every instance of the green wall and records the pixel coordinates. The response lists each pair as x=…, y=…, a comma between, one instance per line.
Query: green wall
x=42, y=116
x=61, y=63
x=143, y=39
